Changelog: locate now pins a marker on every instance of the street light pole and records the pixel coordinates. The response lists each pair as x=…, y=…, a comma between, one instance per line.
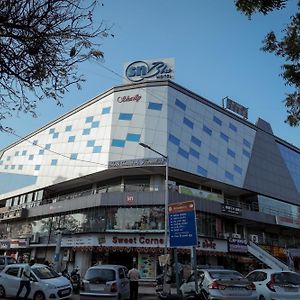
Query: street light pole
x=166, y=202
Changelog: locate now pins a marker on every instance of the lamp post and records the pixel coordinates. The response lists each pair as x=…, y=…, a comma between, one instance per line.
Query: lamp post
x=166, y=207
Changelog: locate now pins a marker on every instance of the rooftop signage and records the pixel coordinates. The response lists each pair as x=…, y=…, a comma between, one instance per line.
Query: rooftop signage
x=235, y=107
x=139, y=71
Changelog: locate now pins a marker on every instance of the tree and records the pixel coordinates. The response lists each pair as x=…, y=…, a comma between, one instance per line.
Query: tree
x=42, y=42
x=288, y=48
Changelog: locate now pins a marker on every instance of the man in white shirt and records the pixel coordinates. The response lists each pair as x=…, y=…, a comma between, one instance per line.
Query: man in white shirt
x=25, y=279
x=134, y=276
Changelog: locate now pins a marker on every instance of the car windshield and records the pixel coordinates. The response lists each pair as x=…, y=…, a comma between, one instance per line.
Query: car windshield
x=225, y=275
x=100, y=275
x=45, y=272
x=10, y=260
x=286, y=278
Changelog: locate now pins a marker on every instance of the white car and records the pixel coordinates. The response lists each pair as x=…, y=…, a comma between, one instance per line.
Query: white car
x=276, y=284
x=45, y=283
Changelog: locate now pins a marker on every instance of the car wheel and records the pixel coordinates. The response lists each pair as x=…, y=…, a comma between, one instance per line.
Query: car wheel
x=2, y=291
x=39, y=296
x=262, y=297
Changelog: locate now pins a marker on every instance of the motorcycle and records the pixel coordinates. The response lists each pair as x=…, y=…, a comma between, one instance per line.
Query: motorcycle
x=75, y=280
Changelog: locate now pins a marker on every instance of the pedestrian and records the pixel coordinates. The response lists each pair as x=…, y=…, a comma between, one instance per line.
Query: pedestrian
x=25, y=279
x=134, y=276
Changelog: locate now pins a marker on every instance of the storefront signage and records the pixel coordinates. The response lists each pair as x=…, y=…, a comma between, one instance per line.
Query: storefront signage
x=137, y=162
x=237, y=245
x=139, y=71
x=134, y=240
x=75, y=241
x=135, y=98
x=289, y=222
x=182, y=224
x=4, y=244
x=233, y=210
x=19, y=243
x=208, y=244
x=200, y=194
x=236, y=107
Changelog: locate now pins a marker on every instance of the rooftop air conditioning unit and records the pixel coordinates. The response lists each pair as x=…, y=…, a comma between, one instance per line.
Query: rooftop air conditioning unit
x=254, y=238
x=35, y=238
x=236, y=236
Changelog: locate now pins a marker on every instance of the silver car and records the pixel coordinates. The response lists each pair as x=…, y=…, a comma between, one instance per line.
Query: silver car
x=105, y=282
x=220, y=284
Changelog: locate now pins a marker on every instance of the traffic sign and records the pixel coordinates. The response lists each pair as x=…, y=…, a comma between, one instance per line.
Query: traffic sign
x=182, y=224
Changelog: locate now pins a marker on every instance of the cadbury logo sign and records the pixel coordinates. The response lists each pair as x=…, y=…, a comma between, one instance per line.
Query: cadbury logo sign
x=135, y=98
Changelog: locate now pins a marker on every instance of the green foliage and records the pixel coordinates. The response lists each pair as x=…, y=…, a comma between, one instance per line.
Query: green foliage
x=287, y=47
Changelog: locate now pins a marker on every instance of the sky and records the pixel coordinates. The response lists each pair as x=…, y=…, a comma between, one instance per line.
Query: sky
x=216, y=51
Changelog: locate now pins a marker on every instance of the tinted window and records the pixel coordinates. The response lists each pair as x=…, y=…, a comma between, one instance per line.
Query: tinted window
x=100, y=275
x=257, y=276
x=2, y=261
x=286, y=278
x=44, y=273
x=12, y=272
x=225, y=275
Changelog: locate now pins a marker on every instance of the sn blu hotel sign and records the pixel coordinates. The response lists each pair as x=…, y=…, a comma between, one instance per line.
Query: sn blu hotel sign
x=146, y=70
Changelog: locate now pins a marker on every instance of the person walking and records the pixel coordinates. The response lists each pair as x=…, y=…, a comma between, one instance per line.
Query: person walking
x=25, y=279
x=134, y=276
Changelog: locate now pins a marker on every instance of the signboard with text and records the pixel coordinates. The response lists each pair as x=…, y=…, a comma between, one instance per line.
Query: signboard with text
x=182, y=224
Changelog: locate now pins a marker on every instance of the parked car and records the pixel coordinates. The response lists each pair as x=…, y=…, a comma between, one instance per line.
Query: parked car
x=220, y=284
x=276, y=284
x=106, y=281
x=45, y=283
x=6, y=260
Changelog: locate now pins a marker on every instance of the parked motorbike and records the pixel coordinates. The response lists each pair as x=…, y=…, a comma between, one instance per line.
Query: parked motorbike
x=75, y=280
x=66, y=274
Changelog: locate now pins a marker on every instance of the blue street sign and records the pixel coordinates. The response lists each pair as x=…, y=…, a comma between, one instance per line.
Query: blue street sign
x=182, y=224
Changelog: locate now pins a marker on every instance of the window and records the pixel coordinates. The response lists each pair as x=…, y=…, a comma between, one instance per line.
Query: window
x=13, y=271
x=89, y=119
x=207, y=130
x=154, y=106
x=180, y=104
x=125, y=117
x=188, y=123
x=105, y=110
x=71, y=139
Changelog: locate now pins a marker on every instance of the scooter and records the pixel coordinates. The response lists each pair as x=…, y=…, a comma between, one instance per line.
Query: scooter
x=75, y=280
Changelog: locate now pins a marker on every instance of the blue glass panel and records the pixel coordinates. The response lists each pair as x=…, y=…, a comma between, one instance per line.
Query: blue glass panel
x=68, y=128
x=51, y=130
x=246, y=143
x=20, y=167
x=224, y=137
x=132, y=137
x=41, y=152
x=195, y=141
x=194, y=153
x=292, y=161
x=154, y=106
x=47, y=146
x=188, y=123
x=89, y=119
x=55, y=135
x=8, y=158
x=118, y=143
x=37, y=167
x=183, y=153
x=95, y=124
x=105, y=110
x=90, y=143
x=24, y=152
x=17, y=153
x=217, y=120
x=97, y=149
x=213, y=158
x=53, y=162
x=229, y=175
x=207, y=130
x=230, y=152
x=86, y=131
x=73, y=156
x=173, y=139
x=246, y=153
x=13, y=167
x=238, y=169
x=11, y=182
x=180, y=104
x=71, y=139
x=31, y=156
x=125, y=117
x=232, y=127
x=201, y=171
